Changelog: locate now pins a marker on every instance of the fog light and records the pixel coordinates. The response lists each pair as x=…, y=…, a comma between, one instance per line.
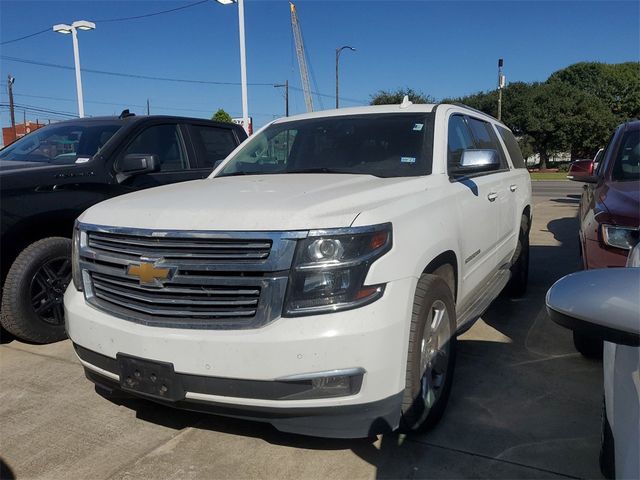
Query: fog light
x=336, y=386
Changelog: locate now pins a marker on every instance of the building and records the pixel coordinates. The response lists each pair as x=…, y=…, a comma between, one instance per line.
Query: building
x=22, y=129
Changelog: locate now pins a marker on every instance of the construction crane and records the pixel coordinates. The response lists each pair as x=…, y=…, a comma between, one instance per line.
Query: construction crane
x=302, y=60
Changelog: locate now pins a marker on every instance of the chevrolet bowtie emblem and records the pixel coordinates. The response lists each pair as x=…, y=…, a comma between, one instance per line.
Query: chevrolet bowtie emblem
x=148, y=273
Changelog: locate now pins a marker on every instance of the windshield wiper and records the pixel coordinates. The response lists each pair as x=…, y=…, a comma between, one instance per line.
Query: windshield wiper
x=318, y=170
x=236, y=174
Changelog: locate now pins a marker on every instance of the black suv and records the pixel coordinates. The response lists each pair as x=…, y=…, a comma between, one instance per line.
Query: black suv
x=50, y=176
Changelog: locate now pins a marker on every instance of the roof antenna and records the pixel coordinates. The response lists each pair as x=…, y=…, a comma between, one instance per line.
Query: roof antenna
x=406, y=102
x=126, y=113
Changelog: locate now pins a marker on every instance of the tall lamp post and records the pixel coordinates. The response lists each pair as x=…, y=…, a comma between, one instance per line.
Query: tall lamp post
x=73, y=30
x=501, y=84
x=338, y=52
x=243, y=61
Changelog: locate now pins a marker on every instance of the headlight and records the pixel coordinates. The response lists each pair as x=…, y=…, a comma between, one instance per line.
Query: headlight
x=75, y=259
x=330, y=267
x=620, y=237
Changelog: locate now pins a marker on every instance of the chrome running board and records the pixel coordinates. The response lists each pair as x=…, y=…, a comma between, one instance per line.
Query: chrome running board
x=482, y=298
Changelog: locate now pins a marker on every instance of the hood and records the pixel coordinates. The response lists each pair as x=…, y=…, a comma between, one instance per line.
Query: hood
x=264, y=202
x=622, y=200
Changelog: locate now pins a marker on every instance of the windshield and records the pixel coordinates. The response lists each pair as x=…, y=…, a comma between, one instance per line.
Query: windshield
x=627, y=163
x=60, y=144
x=384, y=145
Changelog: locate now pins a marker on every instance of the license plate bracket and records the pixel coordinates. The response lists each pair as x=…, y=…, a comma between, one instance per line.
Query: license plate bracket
x=150, y=378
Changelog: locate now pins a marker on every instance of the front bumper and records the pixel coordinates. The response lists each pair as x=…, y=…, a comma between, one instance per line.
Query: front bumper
x=372, y=339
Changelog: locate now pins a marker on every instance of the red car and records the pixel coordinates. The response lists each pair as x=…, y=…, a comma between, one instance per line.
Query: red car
x=609, y=210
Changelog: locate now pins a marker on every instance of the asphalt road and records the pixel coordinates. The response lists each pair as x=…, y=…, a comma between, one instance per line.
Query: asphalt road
x=524, y=405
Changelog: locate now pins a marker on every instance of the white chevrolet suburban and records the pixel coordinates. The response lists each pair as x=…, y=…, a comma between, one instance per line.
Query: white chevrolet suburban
x=317, y=279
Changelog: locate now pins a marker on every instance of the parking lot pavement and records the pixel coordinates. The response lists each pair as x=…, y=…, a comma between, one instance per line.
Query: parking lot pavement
x=524, y=405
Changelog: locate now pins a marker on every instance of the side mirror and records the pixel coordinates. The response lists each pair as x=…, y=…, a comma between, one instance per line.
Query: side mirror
x=601, y=303
x=478, y=161
x=582, y=171
x=135, y=164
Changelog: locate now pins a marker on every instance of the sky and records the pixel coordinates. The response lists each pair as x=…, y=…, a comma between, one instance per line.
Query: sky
x=442, y=48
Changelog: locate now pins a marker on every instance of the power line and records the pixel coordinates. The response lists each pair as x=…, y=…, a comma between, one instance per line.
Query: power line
x=128, y=104
x=122, y=19
x=43, y=110
x=127, y=75
x=110, y=20
x=26, y=36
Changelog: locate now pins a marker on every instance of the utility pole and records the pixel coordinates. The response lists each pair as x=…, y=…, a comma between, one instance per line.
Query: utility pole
x=10, y=81
x=286, y=95
x=148, y=107
x=501, y=83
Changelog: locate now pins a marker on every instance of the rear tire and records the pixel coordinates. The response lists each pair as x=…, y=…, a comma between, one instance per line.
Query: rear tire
x=520, y=269
x=431, y=356
x=589, y=347
x=33, y=291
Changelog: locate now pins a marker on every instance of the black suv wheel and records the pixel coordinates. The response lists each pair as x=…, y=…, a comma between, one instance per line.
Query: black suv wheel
x=33, y=292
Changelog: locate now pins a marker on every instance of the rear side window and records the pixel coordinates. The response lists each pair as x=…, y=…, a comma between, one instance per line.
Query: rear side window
x=626, y=165
x=214, y=143
x=467, y=133
x=512, y=147
x=164, y=141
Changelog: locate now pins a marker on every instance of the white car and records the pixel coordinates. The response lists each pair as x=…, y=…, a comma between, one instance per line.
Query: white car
x=317, y=280
x=605, y=303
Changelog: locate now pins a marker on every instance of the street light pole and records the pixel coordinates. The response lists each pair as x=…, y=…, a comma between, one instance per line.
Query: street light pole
x=501, y=81
x=243, y=68
x=73, y=30
x=338, y=52
x=10, y=81
x=243, y=62
x=76, y=61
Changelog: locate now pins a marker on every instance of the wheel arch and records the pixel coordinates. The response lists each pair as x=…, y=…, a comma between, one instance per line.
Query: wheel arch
x=435, y=266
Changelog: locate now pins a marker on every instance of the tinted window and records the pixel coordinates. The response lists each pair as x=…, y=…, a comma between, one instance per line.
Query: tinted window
x=486, y=138
x=466, y=133
x=165, y=142
x=627, y=162
x=387, y=145
x=215, y=143
x=512, y=147
x=60, y=144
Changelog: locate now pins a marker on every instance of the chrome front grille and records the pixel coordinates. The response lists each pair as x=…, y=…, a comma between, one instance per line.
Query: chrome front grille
x=181, y=248
x=205, y=279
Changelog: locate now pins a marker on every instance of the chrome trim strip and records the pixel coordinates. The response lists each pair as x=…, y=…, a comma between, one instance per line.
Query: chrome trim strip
x=343, y=372
x=349, y=230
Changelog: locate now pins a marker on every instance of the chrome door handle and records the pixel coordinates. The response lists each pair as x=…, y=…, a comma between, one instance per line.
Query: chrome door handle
x=513, y=188
x=492, y=196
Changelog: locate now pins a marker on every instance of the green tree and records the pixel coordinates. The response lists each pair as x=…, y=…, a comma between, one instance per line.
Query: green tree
x=616, y=85
x=222, y=116
x=388, y=97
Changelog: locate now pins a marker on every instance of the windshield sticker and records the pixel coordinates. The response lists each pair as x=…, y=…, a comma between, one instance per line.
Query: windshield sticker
x=417, y=127
x=82, y=159
x=408, y=159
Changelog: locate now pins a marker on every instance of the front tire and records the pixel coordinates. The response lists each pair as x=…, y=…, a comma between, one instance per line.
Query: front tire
x=32, y=296
x=520, y=269
x=607, y=448
x=431, y=356
x=589, y=347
